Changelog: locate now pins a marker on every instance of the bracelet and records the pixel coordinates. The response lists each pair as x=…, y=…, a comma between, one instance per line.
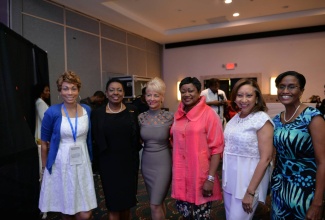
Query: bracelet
x=210, y=178
x=251, y=194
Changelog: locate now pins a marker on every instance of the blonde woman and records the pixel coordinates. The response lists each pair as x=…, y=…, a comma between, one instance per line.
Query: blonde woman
x=156, y=164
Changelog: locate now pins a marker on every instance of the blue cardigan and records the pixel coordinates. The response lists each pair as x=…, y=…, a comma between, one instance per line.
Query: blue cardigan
x=51, y=125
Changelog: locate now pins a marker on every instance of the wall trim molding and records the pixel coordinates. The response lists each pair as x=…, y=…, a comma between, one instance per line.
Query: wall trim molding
x=305, y=30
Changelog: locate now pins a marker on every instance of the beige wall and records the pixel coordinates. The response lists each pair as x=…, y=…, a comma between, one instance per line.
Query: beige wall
x=268, y=57
x=93, y=49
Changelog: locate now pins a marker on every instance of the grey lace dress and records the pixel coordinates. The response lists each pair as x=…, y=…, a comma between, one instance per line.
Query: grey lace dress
x=156, y=163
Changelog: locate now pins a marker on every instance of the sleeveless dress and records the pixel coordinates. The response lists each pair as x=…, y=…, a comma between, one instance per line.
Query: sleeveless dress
x=294, y=177
x=70, y=188
x=241, y=155
x=156, y=163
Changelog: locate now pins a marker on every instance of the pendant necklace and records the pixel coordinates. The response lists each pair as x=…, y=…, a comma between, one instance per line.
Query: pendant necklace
x=284, y=116
x=112, y=110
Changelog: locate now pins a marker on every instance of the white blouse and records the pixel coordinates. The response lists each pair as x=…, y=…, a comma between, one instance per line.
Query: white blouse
x=241, y=155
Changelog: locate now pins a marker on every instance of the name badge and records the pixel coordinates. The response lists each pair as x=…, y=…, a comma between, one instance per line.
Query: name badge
x=75, y=155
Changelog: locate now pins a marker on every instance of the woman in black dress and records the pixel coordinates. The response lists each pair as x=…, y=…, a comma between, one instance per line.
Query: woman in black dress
x=116, y=135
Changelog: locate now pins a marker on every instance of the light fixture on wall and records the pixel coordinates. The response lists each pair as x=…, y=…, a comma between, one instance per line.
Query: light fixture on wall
x=178, y=92
x=273, y=89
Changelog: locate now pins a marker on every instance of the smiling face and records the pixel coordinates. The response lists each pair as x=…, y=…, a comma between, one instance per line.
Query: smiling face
x=115, y=93
x=289, y=91
x=153, y=99
x=246, y=99
x=190, y=95
x=69, y=93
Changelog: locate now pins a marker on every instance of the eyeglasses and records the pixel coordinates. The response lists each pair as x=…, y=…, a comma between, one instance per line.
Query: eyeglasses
x=288, y=87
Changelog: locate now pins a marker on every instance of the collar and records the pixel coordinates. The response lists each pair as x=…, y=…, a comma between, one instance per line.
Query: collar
x=195, y=113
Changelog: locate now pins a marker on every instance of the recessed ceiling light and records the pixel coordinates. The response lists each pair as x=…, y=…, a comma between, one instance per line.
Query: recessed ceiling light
x=235, y=14
x=228, y=1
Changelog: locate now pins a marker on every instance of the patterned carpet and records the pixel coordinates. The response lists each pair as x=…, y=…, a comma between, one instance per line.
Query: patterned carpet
x=142, y=210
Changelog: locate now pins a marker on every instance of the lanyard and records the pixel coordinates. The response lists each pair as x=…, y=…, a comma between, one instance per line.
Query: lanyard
x=74, y=131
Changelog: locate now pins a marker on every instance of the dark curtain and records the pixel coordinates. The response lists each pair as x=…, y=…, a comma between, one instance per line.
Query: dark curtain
x=41, y=66
x=19, y=167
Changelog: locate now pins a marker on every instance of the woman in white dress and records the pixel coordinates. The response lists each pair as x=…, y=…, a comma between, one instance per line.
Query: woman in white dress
x=42, y=94
x=248, y=152
x=67, y=184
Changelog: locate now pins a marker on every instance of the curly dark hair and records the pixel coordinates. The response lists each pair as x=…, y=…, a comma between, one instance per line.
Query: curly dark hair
x=69, y=77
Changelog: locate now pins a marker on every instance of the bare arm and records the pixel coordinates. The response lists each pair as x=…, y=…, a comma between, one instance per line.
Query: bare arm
x=317, y=131
x=216, y=103
x=265, y=147
x=44, y=152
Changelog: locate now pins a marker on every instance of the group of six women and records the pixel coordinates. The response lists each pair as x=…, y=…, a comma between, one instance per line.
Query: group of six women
x=184, y=149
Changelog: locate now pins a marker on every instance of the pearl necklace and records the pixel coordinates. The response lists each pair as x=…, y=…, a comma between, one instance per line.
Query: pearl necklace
x=284, y=116
x=112, y=110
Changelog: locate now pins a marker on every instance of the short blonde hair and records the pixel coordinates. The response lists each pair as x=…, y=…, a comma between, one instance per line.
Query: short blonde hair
x=69, y=77
x=156, y=84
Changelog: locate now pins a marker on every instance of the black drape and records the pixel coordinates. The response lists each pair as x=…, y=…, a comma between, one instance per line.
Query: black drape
x=19, y=168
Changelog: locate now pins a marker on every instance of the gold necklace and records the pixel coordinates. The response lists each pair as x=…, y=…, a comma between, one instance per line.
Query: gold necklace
x=284, y=116
x=112, y=110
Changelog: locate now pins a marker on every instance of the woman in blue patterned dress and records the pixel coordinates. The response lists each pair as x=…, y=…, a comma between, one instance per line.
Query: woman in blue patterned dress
x=298, y=179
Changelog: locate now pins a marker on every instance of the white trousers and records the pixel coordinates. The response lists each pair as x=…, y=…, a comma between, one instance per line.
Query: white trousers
x=234, y=208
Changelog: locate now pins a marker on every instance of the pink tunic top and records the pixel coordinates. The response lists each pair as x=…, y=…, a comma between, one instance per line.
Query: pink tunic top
x=196, y=136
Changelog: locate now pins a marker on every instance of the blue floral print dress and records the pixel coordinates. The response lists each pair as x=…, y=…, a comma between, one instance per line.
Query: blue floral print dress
x=294, y=177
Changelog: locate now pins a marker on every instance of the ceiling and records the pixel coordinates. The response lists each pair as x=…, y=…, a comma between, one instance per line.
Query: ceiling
x=172, y=21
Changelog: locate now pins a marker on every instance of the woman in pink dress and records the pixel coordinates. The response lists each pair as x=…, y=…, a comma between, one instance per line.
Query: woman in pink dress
x=198, y=142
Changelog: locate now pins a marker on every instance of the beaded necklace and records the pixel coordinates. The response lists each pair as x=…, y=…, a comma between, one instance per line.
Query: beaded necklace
x=112, y=110
x=284, y=116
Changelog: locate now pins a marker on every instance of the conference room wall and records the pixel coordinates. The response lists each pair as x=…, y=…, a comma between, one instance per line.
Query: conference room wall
x=266, y=57
x=74, y=41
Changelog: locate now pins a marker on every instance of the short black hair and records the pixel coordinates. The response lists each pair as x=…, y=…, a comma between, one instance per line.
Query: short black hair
x=213, y=82
x=39, y=88
x=143, y=91
x=114, y=80
x=100, y=94
x=189, y=80
x=299, y=76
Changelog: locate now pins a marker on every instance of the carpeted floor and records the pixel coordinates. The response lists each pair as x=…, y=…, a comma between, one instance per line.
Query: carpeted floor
x=142, y=210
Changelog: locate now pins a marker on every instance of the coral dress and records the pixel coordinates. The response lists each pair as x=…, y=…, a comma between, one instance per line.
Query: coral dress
x=197, y=135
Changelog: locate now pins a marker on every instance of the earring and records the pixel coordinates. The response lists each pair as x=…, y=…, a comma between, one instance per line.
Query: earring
x=58, y=97
x=79, y=98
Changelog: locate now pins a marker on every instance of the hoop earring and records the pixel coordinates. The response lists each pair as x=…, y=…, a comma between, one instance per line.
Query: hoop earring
x=58, y=97
x=79, y=98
